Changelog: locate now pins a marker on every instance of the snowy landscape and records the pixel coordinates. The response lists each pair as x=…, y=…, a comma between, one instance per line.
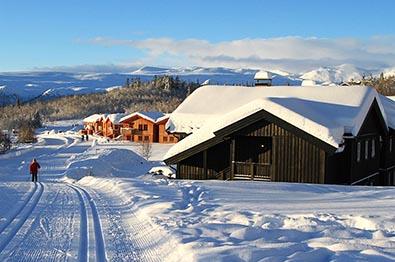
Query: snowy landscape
x=94, y=199
x=197, y=131
x=46, y=85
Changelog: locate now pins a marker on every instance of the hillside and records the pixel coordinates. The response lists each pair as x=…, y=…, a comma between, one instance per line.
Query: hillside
x=160, y=94
x=45, y=85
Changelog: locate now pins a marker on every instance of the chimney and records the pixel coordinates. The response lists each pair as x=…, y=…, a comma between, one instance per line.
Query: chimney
x=263, y=78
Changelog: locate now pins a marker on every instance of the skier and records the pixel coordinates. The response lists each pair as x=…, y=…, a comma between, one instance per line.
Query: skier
x=34, y=166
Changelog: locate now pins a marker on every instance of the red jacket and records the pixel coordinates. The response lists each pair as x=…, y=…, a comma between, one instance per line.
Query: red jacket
x=34, y=166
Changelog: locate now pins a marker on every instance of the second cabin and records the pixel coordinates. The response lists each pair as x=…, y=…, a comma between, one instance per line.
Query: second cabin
x=146, y=126
x=327, y=135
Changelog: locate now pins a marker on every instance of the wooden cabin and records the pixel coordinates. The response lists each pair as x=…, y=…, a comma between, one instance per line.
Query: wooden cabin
x=93, y=124
x=146, y=126
x=112, y=125
x=165, y=137
x=327, y=135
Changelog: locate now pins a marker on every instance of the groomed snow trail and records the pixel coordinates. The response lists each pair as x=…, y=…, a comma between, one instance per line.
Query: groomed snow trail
x=45, y=231
x=134, y=240
x=92, y=237
x=63, y=221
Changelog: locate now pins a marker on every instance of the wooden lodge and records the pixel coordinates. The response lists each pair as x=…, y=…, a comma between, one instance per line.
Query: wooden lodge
x=327, y=135
x=146, y=126
x=112, y=126
x=136, y=127
x=94, y=124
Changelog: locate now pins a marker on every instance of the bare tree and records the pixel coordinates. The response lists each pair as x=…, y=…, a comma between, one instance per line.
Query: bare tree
x=26, y=134
x=146, y=149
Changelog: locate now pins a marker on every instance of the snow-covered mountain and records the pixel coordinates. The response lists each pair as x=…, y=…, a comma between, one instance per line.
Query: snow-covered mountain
x=29, y=85
x=337, y=74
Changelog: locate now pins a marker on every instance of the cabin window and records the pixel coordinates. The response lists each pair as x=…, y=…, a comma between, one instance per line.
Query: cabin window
x=171, y=139
x=145, y=127
x=140, y=127
x=390, y=144
x=366, y=149
x=373, y=148
x=165, y=139
x=146, y=138
x=358, y=151
x=140, y=138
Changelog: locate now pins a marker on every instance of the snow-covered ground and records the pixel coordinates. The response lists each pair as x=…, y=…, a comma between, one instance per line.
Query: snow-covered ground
x=94, y=200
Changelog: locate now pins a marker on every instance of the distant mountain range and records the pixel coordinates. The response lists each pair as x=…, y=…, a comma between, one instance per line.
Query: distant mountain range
x=31, y=85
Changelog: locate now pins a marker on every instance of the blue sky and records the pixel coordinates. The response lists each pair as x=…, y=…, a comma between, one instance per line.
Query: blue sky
x=47, y=34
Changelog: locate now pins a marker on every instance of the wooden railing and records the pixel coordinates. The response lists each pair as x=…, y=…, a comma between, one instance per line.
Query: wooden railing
x=253, y=171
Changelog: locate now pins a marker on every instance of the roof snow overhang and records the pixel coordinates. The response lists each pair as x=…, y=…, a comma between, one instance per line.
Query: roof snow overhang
x=141, y=115
x=224, y=134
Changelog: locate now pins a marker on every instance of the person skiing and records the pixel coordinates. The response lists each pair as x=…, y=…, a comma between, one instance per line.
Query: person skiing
x=34, y=166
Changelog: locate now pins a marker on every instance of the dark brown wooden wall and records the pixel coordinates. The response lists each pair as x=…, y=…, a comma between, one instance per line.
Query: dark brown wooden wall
x=292, y=158
x=191, y=168
x=218, y=163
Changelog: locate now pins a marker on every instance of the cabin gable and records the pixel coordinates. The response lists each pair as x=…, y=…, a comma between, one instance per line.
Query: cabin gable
x=261, y=150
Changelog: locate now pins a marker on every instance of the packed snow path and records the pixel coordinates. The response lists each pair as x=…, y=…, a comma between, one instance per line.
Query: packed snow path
x=55, y=220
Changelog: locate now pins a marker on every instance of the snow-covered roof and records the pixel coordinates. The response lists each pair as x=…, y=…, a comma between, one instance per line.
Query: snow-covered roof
x=389, y=108
x=94, y=118
x=263, y=75
x=326, y=113
x=115, y=118
x=150, y=116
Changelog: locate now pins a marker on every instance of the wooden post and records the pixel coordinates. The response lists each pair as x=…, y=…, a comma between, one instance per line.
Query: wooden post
x=252, y=170
x=232, y=158
x=205, y=164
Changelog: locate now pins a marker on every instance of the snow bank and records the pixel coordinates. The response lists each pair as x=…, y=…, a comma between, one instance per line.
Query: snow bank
x=289, y=222
x=105, y=163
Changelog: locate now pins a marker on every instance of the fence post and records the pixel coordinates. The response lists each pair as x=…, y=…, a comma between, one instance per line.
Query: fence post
x=252, y=171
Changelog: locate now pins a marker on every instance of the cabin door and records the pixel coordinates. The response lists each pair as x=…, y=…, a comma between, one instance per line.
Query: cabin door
x=253, y=157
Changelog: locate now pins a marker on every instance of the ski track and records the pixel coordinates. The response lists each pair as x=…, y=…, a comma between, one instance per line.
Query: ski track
x=83, y=241
x=120, y=245
x=134, y=240
x=62, y=222
x=100, y=249
x=19, y=209
x=48, y=232
x=23, y=213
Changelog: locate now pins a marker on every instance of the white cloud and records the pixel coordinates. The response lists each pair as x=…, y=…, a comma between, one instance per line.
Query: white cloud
x=288, y=53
